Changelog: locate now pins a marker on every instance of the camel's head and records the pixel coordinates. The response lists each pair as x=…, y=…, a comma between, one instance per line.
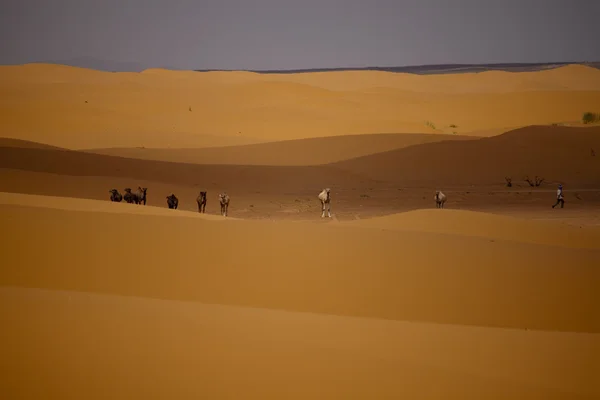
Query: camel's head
x=437, y=192
x=202, y=194
x=112, y=191
x=128, y=190
x=327, y=190
x=144, y=190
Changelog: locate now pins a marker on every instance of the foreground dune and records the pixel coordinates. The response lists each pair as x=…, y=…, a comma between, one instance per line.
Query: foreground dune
x=78, y=108
x=86, y=345
x=132, y=301
x=370, y=272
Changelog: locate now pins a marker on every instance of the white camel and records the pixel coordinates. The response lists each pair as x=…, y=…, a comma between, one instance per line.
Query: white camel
x=325, y=197
x=224, y=201
x=440, y=199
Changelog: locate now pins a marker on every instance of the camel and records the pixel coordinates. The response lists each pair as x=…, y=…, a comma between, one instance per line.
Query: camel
x=201, y=200
x=128, y=196
x=140, y=195
x=224, y=200
x=172, y=201
x=440, y=199
x=115, y=195
x=325, y=197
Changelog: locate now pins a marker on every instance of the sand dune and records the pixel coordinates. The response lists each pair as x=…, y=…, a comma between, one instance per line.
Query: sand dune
x=559, y=154
x=300, y=152
x=109, y=286
x=479, y=224
x=78, y=108
x=381, y=274
x=380, y=184
x=198, y=350
x=389, y=298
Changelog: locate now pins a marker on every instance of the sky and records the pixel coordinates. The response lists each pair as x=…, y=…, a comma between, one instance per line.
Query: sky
x=286, y=34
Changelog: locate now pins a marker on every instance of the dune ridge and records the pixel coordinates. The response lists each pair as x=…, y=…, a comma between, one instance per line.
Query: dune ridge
x=299, y=152
x=77, y=108
x=381, y=274
x=556, y=153
x=481, y=224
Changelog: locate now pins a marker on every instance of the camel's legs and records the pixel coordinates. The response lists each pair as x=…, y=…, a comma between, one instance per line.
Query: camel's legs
x=329, y=209
x=322, y=210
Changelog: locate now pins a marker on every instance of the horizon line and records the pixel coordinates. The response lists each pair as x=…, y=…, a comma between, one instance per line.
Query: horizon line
x=417, y=68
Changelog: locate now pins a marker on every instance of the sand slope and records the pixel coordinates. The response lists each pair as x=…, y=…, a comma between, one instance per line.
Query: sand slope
x=79, y=108
x=128, y=347
x=129, y=305
x=369, y=273
x=299, y=152
x=559, y=154
x=479, y=224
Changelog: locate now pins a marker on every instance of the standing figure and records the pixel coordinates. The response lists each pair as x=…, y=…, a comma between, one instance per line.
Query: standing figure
x=172, y=201
x=559, y=197
x=201, y=200
x=325, y=197
x=440, y=199
x=224, y=201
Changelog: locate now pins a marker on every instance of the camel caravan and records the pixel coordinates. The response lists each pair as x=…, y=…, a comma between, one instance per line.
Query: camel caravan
x=140, y=197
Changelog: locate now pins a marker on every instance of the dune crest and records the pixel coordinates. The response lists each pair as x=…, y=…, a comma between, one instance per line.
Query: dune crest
x=78, y=108
x=480, y=224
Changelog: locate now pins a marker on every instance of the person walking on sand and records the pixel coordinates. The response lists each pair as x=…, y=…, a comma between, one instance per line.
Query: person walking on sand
x=559, y=197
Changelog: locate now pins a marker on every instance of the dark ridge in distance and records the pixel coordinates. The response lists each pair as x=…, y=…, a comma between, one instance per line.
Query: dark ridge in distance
x=426, y=69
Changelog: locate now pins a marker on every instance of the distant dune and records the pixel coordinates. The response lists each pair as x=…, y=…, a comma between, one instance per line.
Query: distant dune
x=558, y=154
x=26, y=144
x=301, y=152
x=433, y=68
x=80, y=108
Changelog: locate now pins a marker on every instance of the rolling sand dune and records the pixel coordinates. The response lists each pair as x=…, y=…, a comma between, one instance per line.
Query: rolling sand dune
x=254, y=322
x=78, y=108
x=559, y=154
x=300, y=152
x=479, y=224
x=494, y=297
x=212, y=351
x=380, y=184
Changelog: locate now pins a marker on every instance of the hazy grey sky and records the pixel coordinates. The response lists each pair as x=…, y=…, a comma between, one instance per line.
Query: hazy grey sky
x=285, y=34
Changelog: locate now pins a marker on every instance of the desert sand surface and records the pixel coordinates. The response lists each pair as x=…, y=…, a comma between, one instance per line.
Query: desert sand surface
x=495, y=296
x=79, y=108
x=300, y=152
x=272, y=319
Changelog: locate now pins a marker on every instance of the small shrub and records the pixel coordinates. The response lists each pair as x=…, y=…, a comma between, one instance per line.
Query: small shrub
x=430, y=124
x=590, y=117
x=453, y=126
